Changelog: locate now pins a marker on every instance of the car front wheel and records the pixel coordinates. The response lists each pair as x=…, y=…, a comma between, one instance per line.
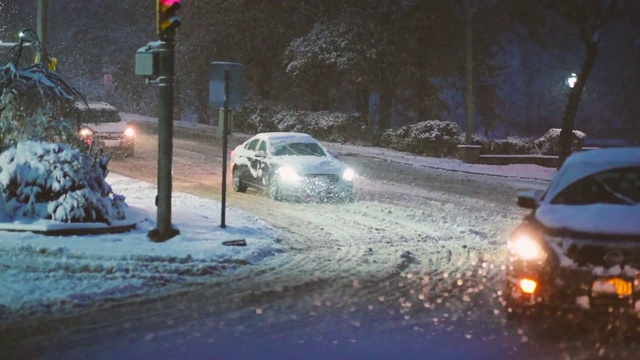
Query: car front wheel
x=238, y=185
x=273, y=188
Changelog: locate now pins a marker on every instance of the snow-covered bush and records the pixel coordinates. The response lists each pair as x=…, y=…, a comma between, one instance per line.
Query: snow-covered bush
x=510, y=146
x=326, y=126
x=549, y=143
x=41, y=180
x=256, y=117
x=431, y=137
x=323, y=125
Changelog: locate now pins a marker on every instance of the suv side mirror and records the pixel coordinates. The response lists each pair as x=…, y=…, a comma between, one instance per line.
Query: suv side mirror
x=529, y=199
x=260, y=154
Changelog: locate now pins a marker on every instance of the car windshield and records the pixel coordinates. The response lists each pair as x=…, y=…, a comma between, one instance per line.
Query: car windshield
x=616, y=186
x=100, y=117
x=300, y=149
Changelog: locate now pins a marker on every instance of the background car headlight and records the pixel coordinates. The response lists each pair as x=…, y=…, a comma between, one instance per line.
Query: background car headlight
x=129, y=132
x=86, y=132
x=289, y=174
x=527, y=248
x=348, y=175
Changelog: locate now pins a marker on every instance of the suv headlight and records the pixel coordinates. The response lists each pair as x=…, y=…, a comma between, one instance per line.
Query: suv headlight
x=289, y=174
x=527, y=248
x=86, y=132
x=348, y=175
x=129, y=132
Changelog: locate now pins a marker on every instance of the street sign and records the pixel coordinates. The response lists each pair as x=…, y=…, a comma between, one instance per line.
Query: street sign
x=217, y=85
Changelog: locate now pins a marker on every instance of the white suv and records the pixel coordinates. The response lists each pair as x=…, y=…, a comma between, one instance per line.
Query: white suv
x=103, y=126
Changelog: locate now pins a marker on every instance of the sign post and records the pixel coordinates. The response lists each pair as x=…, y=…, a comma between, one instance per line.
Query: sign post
x=225, y=91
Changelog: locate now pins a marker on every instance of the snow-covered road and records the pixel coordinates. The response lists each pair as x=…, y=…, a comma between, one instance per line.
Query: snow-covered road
x=415, y=263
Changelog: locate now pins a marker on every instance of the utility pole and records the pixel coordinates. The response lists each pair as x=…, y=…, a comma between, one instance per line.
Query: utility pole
x=43, y=9
x=469, y=82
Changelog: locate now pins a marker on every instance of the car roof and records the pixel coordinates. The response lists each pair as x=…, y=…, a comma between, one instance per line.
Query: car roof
x=585, y=163
x=285, y=137
x=95, y=105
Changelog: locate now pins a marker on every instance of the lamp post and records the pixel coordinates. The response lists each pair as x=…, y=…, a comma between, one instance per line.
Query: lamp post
x=571, y=81
x=43, y=9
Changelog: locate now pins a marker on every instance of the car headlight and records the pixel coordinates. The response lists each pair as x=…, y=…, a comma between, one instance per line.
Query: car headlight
x=348, y=175
x=289, y=174
x=526, y=248
x=129, y=132
x=86, y=132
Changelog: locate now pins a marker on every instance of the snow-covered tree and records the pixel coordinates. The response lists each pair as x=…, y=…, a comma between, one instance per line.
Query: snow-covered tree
x=337, y=49
x=46, y=171
x=40, y=180
x=35, y=103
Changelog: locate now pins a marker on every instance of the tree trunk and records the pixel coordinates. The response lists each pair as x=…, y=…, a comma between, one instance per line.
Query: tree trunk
x=264, y=82
x=203, y=107
x=362, y=98
x=320, y=96
x=386, y=103
x=569, y=116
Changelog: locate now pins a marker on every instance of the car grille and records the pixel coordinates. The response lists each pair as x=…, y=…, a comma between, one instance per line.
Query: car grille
x=601, y=252
x=329, y=178
x=108, y=136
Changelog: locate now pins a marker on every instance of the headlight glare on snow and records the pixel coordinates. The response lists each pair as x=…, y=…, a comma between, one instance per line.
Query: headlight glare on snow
x=289, y=174
x=527, y=248
x=348, y=175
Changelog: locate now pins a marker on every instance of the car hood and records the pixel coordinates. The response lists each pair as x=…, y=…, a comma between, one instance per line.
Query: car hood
x=597, y=219
x=116, y=127
x=305, y=165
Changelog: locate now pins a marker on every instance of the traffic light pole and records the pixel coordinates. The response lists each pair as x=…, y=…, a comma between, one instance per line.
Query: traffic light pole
x=166, y=52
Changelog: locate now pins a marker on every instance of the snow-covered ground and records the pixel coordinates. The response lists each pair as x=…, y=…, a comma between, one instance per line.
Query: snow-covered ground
x=43, y=275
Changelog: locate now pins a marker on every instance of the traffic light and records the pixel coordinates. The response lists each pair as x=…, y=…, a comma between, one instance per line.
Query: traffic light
x=168, y=19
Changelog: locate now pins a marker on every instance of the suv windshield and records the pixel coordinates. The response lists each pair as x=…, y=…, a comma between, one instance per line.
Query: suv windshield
x=616, y=186
x=300, y=149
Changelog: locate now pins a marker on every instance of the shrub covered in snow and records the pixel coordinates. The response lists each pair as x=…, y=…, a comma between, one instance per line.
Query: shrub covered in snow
x=41, y=180
x=509, y=146
x=549, y=143
x=256, y=117
x=323, y=125
x=431, y=137
x=326, y=126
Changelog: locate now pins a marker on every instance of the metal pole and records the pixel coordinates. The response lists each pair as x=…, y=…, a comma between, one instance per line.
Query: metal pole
x=225, y=126
x=469, y=87
x=165, y=230
x=43, y=8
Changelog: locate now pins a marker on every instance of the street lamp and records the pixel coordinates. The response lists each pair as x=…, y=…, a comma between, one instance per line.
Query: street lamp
x=571, y=81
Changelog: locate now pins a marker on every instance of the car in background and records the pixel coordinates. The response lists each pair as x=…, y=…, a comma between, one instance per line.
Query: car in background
x=290, y=165
x=102, y=125
x=579, y=248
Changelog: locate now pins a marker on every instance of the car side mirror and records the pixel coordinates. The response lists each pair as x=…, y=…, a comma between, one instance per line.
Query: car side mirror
x=334, y=154
x=529, y=199
x=260, y=154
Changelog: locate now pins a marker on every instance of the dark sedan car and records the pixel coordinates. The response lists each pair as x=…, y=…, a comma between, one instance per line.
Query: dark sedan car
x=580, y=246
